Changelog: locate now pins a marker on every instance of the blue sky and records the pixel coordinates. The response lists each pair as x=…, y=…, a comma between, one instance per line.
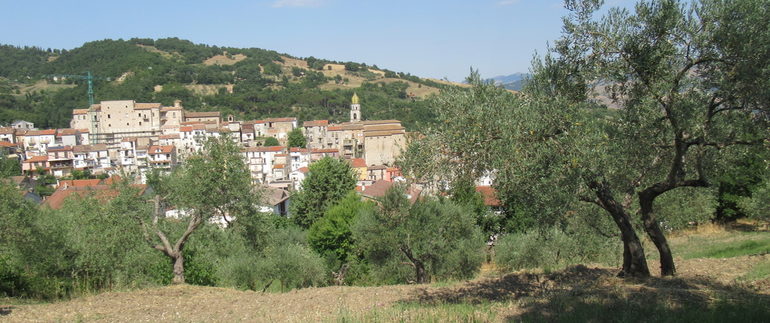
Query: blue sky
x=429, y=38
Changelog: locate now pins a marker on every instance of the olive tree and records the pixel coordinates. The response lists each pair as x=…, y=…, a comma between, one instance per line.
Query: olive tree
x=212, y=184
x=625, y=108
x=437, y=238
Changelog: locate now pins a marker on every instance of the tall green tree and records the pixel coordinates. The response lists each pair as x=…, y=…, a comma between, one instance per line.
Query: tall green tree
x=271, y=141
x=296, y=138
x=331, y=235
x=327, y=182
x=213, y=184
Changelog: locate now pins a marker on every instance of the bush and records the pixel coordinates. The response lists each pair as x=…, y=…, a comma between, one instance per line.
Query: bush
x=437, y=238
x=758, y=205
x=682, y=207
x=555, y=248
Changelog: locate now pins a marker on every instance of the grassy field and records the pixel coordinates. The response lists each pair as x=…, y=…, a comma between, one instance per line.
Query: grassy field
x=723, y=276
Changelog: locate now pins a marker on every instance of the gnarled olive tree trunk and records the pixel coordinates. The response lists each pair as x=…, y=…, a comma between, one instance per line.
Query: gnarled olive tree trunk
x=634, y=260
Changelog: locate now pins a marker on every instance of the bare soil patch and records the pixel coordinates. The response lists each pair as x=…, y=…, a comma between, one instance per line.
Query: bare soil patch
x=224, y=59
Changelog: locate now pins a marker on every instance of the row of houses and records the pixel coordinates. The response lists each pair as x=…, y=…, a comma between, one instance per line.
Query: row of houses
x=124, y=136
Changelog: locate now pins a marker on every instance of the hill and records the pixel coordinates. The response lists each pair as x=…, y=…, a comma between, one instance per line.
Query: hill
x=248, y=82
x=513, y=81
x=712, y=285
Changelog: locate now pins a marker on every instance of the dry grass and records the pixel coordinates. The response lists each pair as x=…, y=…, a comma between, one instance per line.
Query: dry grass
x=224, y=59
x=165, y=54
x=43, y=85
x=293, y=62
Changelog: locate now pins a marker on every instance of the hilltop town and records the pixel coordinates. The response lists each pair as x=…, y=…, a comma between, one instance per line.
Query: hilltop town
x=129, y=138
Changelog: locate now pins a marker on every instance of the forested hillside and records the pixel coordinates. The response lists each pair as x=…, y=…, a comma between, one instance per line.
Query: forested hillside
x=247, y=82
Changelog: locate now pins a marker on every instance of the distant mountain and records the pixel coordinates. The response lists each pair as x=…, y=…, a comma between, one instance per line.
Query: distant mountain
x=513, y=81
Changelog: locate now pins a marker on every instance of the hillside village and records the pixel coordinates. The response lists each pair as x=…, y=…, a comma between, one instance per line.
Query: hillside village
x=128, y=138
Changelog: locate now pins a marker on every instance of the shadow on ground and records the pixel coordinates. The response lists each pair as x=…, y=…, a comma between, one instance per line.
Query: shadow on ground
x=6, y=310
x=580, y=293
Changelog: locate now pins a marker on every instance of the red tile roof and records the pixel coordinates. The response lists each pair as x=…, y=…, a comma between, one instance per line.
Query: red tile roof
x=7, y=144
x=358, y=162
x=79, y=182
x=103, y=193
x=46, y=132
x=160, y=149
x=35, y=159
x=489, y=194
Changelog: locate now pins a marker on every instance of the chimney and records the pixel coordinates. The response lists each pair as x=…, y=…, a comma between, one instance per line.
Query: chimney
x=177, y=103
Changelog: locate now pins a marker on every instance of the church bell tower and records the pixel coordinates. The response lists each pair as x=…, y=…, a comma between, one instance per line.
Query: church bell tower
x=355, y=109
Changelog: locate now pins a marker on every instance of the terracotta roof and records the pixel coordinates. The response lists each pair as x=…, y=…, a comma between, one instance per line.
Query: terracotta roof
x=79, y=182
x=273, y=148
x=279, y=166
x=6, y=130
x=100, y=192
x=163, y=109
x=67, y=132
x=186, y=129
x=489, y=194
x=393, y=169
x=41, y=132
x=170, y=136
x=334, y=128
x=299, y=150
x=358, y=162
x=36, y=159
x=160, y=149
x=145, y=106
x=204, y=114
x=315, y=123
x=292, y=119
x=351, y=126
x=84, y=130
x=275, y=195
x=304, y=170
x=281, y=155
x=79, y=111
x=192, y=123
x=88, y=148
x=7, y=144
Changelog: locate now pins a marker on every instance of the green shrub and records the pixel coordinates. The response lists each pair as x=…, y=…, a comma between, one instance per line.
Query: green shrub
x=554, y=249
x=682, y=207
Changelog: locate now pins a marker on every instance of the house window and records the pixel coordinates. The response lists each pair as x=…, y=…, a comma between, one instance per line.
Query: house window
x=108, y=116
x=140, y=123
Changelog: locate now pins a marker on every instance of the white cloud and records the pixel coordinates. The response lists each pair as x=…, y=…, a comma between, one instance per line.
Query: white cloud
x=297, y=3
x=506, y=2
